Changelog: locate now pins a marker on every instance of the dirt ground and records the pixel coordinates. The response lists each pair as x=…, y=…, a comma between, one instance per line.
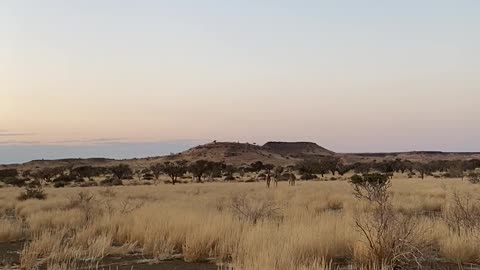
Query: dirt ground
x=10, y=259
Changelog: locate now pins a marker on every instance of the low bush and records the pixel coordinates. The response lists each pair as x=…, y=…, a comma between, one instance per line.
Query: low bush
x=66, y=178
x=32, y=192
x=253, y=210
x=308, y=176
x=148, y=176
x=88, y=184
x=474, y=177
x=229, y=178
x=59, y=184
x=111, y=182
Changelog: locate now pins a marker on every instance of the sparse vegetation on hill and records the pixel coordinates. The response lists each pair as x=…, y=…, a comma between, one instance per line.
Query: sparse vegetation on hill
x=242, y=154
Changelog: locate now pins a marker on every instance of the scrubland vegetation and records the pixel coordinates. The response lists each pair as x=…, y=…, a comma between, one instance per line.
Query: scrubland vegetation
x=380, y=215
x=314, y=225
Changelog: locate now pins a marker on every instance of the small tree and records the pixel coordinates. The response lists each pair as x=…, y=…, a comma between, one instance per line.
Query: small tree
x=474, y=177
x=175, y=169
x=256, y=167
x=310, y=167
x=392, y=239
x=47, y=174
x=121, y=171
x=216, y=169
x=157, y=170
x=329, y=164
x=199, y=168
x=87, y=171
x=33, y=191
x=372, y=187
x=455, y=170
x=8, y=173
x=423, y=169
x=361, y=167
x=254, y=210
x=342, y=169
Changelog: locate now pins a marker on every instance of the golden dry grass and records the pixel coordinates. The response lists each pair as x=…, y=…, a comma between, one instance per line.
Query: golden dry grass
x=312, y=229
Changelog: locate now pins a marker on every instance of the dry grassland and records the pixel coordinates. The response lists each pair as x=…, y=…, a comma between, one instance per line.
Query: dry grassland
x=241, y=225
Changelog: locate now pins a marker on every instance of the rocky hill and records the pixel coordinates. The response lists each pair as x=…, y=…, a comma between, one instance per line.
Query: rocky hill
x=296, y=149
x=236, y=154
x=277, y=153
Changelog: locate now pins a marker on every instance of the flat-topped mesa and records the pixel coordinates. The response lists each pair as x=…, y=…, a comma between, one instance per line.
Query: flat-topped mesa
x=296, y=148
x=276, y=153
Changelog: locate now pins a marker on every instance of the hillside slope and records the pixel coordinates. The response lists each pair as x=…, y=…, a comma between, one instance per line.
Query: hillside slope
x=233, y=153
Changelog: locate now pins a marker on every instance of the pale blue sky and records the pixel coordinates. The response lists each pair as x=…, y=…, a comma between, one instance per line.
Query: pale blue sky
x=350, y=75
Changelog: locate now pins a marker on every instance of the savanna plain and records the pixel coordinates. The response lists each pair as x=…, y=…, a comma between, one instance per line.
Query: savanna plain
x=407, y=224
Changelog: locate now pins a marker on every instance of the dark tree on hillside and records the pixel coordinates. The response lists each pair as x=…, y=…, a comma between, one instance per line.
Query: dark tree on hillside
x=175, y=169
x=88, y=171
x=471, y=164
x=7, y=173
x=47, y=174
x=386, y=167
x=407, y=165
x=256, y=167
x=423, y=169
x=216, y=169
x=361, y=167
x=456, y=170
x=342, y=168
x=122, y=171
x=329, y=164
x=308, y=166
x=199, y=168
x=27, y=173
x=316, y=166
x=230, y=169
x=157, y=170
x=268, y=168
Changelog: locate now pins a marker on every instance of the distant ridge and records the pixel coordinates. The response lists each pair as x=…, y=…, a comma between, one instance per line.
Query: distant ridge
x=239, y=154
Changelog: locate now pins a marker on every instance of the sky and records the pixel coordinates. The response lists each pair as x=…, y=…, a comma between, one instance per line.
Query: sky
x=353, y=76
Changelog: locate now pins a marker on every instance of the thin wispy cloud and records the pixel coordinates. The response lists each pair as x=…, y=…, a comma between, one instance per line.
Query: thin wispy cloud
x=92, y=141
x=7, y=133
x=15, y=134
x=16, y=142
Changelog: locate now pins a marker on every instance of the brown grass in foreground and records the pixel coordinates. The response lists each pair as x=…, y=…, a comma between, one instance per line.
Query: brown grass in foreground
x=310, y=226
